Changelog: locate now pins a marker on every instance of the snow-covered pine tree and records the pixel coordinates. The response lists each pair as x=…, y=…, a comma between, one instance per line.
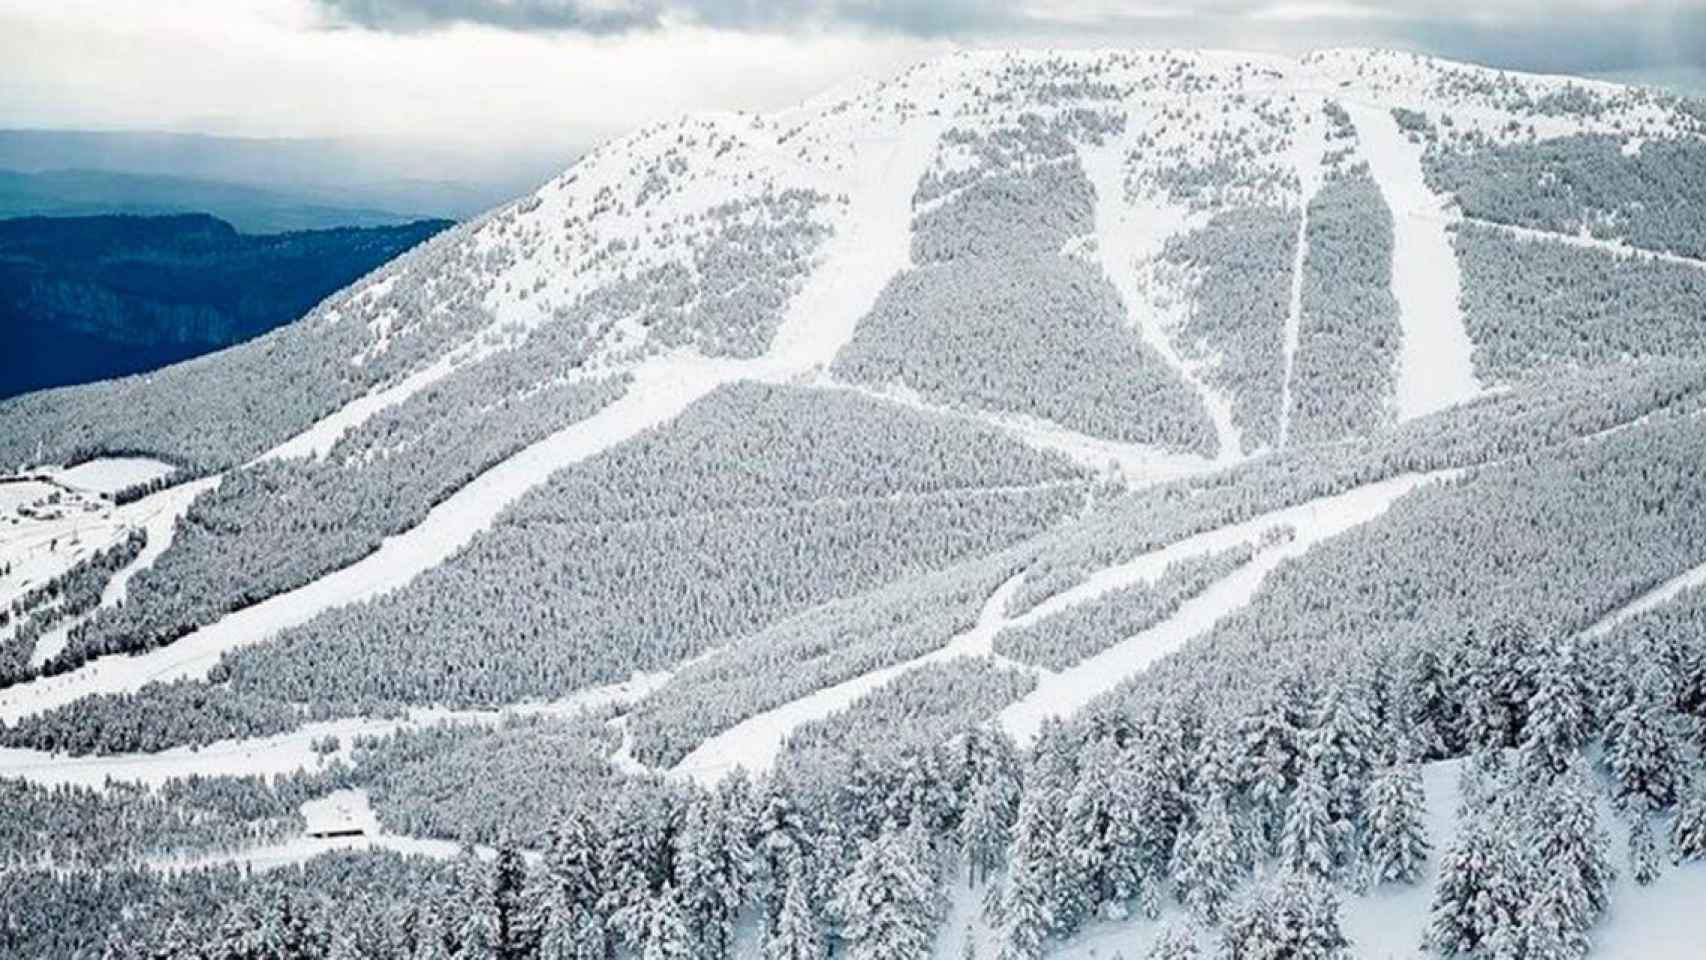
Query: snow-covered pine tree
x=1025, y=904
x=984, y=830
x=1307, y=841
x=890, y=903
x=1572, y=848
x=476, y=913
x=1478, y=897
x=1087, y=841
x=1291, y=916
x=664, y=931
x=797, y=933
x=1176, y=941
x=1688, y=829
x=1557, y=718
x=429, y=936
x=1395, y=841
x=1642, y=746
x=1272, y=746
x=1644, y=865
x=1207, y=861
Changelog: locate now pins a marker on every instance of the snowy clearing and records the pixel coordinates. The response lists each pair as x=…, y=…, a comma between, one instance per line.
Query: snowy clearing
x=1434, y=368
x=1063, y=694
x=111, y=474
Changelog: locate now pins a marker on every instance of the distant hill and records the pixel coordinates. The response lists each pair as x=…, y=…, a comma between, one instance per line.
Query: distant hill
x=88, y=298
x=83, y=193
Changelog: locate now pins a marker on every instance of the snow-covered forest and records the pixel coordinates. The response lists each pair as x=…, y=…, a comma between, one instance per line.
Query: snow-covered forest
x=974, y=515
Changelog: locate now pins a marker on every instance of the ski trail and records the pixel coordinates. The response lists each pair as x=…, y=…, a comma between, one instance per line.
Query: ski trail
x=875, y=239
x=661, y=389
x=286, y=753
x=1306, y=152
x=159, y=516
x=1137, y=464
x=1122, y=244
x=755, y=742
x=1656, y=597
x=1434, y=366
x=1064, y=693
x=319, y=438
x=1616, y=248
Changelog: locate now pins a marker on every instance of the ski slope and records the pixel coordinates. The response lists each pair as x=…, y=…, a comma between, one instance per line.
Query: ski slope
x=1434, y=366
x=1063, y=694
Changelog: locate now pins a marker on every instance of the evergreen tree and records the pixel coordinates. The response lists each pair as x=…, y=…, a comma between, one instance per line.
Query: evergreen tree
x=984, y=830
x=1644, y=864
x=1478, y=897
x=1307, y=842
x=890, y=902
x=509, y=876
x=476, y=910
x=1395, y=842
x=1688, y=830
x=1176, y=941
x=1207, y=861
x=796, y=934
x=1293, y=917
x=1642, y=748
x=664, y=931
x=1272, y=742
x=1557, y=721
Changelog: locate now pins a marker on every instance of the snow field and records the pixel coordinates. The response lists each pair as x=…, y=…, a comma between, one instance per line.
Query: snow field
x=111, y=474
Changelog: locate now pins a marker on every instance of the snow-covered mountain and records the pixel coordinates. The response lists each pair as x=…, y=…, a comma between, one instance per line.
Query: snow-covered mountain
x=1297, y=431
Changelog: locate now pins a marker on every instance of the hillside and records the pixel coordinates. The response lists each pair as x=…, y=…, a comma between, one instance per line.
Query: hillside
x=1041, y=504
x=91, y=298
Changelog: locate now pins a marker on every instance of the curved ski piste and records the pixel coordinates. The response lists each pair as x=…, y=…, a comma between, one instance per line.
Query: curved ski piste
x=1063, y=694
x=755, y=742
x=1434, y=362
x=869, y=247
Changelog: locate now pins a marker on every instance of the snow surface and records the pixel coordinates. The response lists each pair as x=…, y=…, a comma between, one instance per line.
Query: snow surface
x=1063, y=694
x=1656, y=597
x=111, y=474
x=1434, y=367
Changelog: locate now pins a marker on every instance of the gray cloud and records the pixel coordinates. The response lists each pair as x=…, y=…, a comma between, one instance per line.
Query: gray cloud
x=1567, y=36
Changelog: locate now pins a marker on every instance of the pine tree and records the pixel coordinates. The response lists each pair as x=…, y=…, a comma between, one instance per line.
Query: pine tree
x=890, y=902
x=712, y=866
x=665, y=935
x=476, y=911
x=796, y=935
x=1272, y=745
x=1557, y=722
x=1293, y=917
x=1176, y=941
x=1395, y=841
x=1088, y=826
x=1688, y=830
x=1478, y=897
x=429, y=936
x=1643, y=850
x=1207, y=861
x=509, y=876
x=1642, y=748
x=1307, y=843
x=1573, y=851
x=984, y=830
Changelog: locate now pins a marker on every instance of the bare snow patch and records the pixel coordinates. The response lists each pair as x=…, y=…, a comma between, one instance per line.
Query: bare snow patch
x=112, y=474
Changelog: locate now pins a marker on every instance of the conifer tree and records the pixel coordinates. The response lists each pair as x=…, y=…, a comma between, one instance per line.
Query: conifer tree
x=1307, y=842
x=1395, y=840
x=1644, y=866
x=1557, y=721
x=1176, y=941
x=1207, y=861
x=1642, y=748
x=1478, y=897
x=890, y=902
x=797, y=934
x=664, y=932
x=1688, y=829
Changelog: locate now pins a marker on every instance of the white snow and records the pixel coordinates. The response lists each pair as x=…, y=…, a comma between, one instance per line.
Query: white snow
x=1656, y=597
x=1063, y=694
x=320, y=437
x=1306, y=153
x=1434, y=367
x=111, y=474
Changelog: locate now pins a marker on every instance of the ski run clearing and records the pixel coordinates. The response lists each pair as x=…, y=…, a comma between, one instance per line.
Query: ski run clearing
x=1434, y=368
x=756, y=742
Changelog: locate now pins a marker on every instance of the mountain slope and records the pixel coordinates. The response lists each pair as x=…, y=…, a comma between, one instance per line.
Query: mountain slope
x=1158, y=451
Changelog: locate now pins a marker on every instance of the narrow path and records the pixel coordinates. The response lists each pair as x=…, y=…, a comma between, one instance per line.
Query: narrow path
x=1064, y=693
x=1306, y=152
x=755, y=742
x=1434, y=364
x=1656, y=597
x=1617, y=248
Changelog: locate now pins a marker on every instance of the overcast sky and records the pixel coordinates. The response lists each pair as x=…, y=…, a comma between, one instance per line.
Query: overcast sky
x=558, y=75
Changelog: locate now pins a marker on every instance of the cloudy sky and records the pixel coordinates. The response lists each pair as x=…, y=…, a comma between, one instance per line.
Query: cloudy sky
x=558, y=75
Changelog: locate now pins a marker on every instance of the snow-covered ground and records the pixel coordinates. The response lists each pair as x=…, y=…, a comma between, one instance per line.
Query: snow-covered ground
x=111, y=474
x=1306, y=153
x=1657, y=596
x=1063, y=694
x=1434, y=368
